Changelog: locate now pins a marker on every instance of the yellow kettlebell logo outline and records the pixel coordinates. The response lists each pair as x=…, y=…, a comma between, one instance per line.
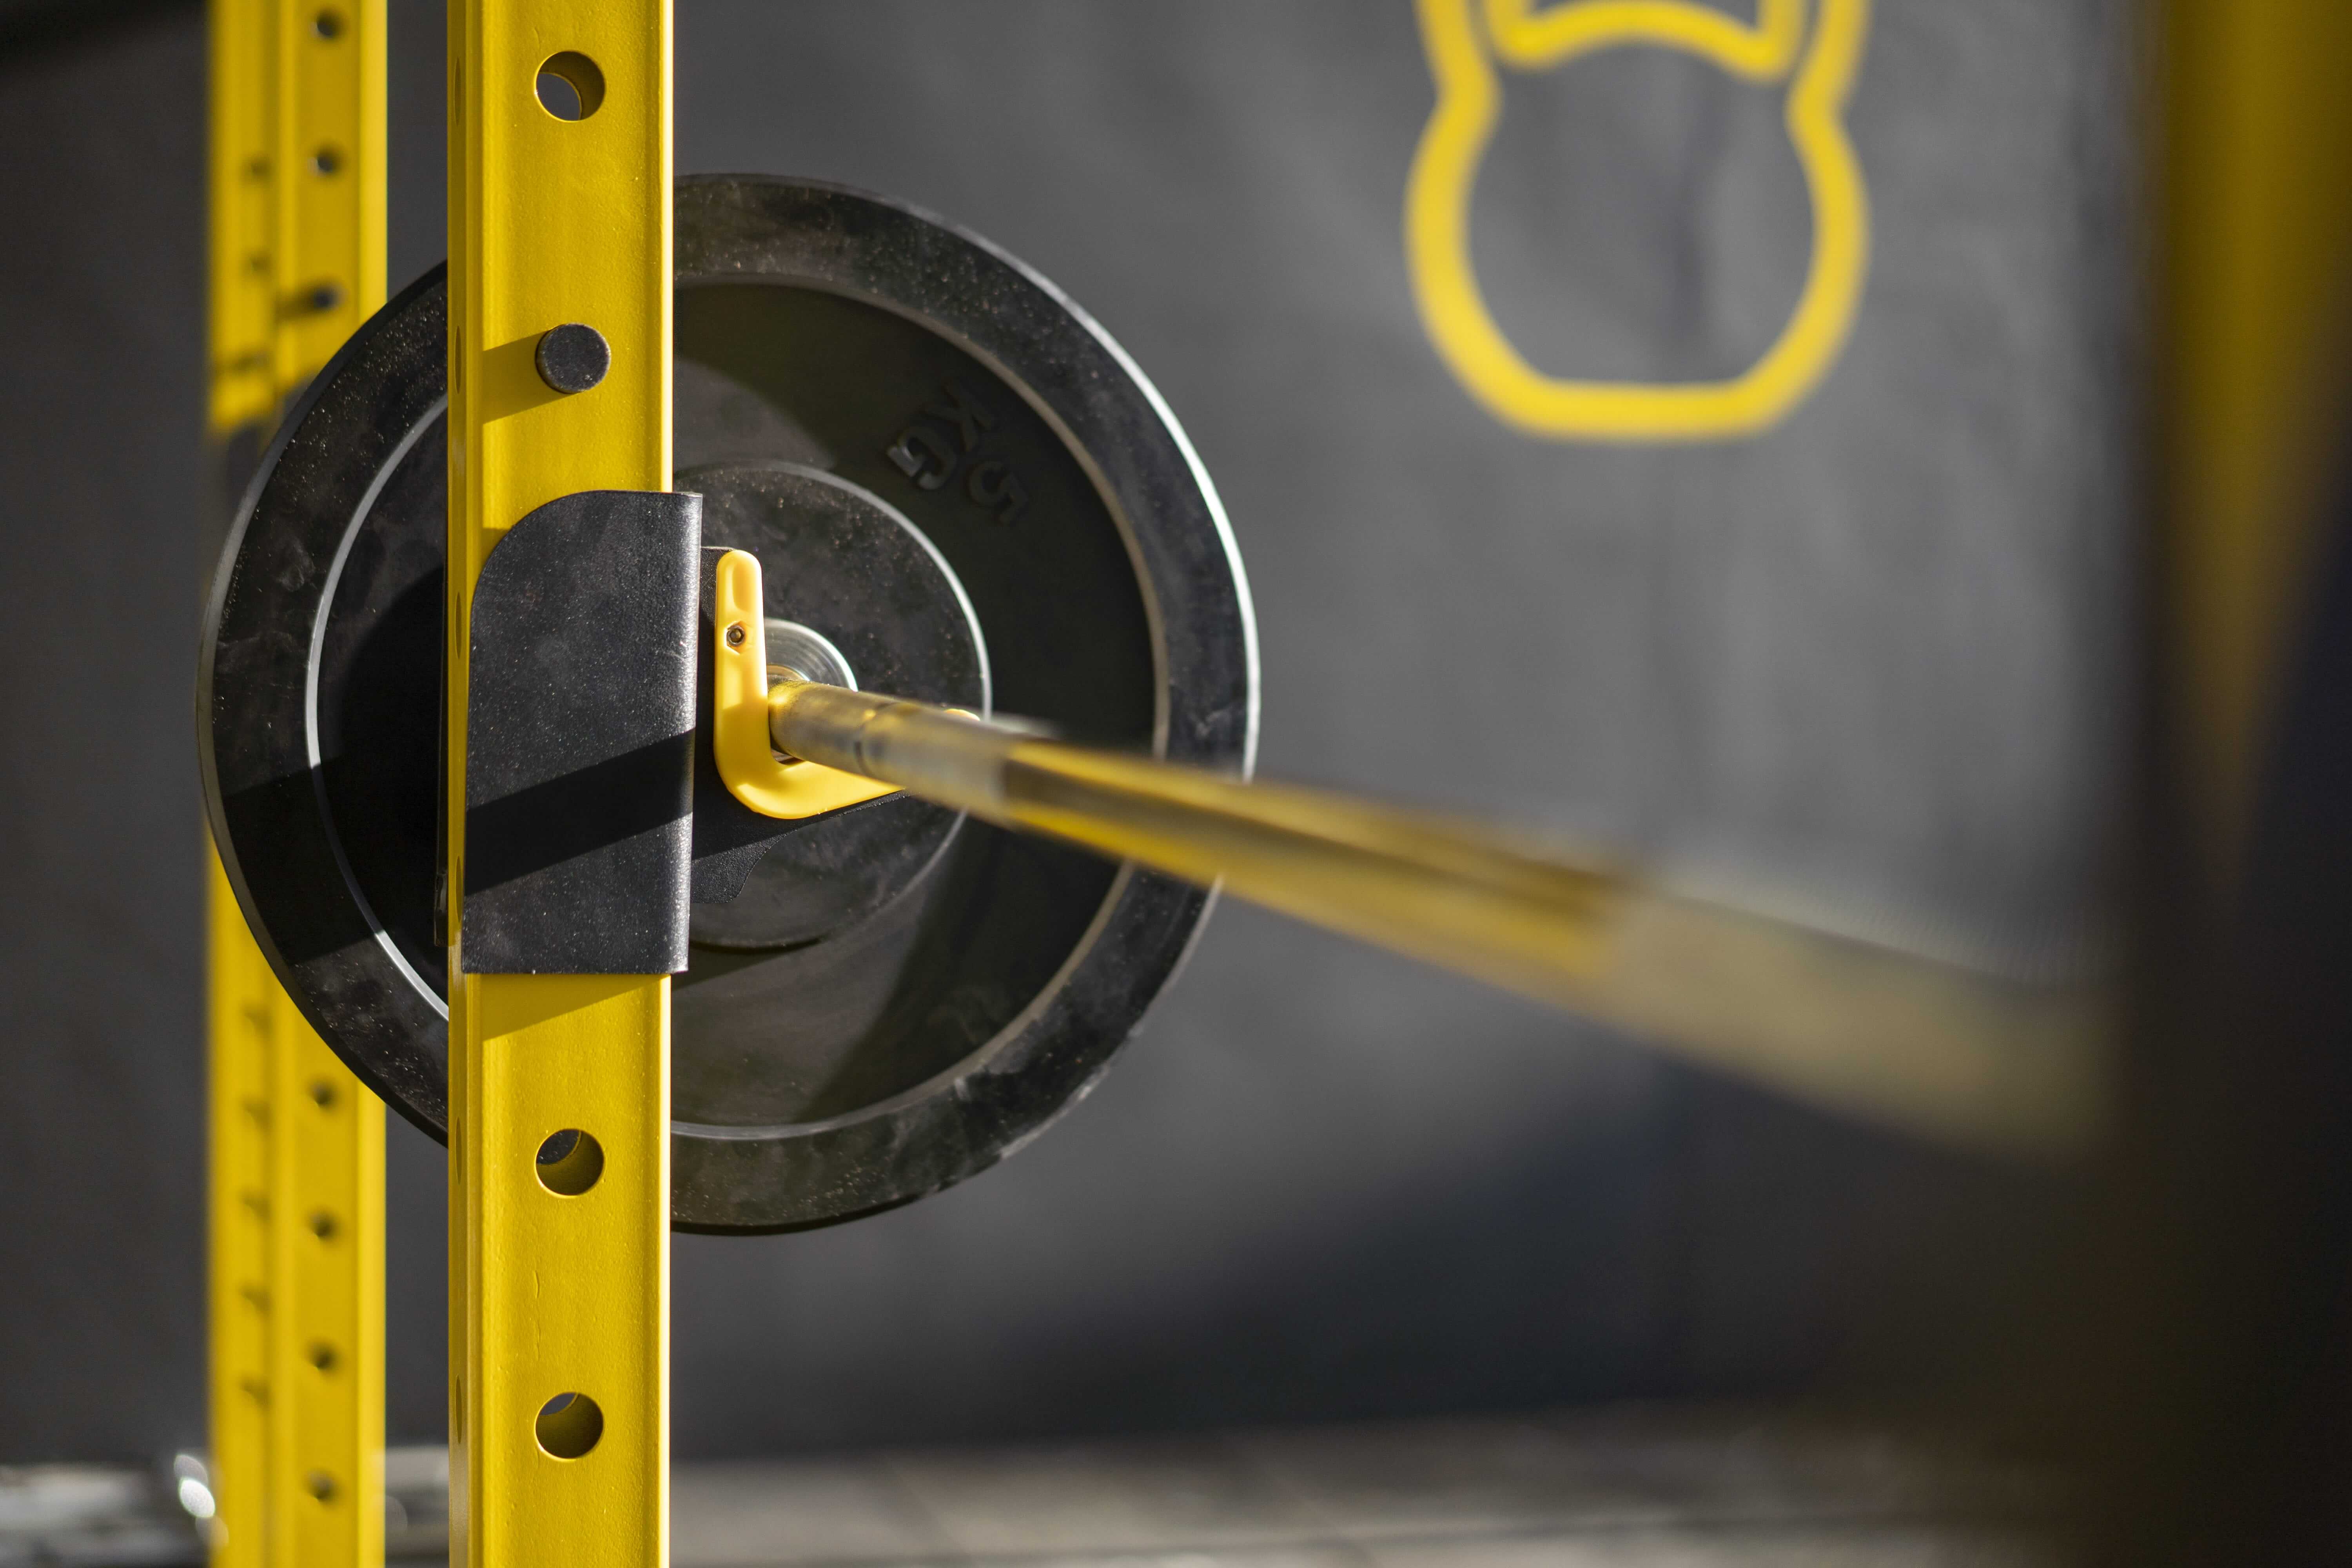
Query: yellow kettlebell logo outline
x=1453, y=144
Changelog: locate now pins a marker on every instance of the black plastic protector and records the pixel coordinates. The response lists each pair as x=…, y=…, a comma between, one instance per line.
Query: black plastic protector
x=580, y=739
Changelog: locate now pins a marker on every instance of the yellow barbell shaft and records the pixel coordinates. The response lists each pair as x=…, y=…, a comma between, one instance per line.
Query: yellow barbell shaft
x=1868, y=1030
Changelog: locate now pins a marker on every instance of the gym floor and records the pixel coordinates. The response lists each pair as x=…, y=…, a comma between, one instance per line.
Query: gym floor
x=1640, y=1488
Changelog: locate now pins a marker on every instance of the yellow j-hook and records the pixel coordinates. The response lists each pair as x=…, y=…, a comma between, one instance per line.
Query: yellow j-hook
x=1446, y=168
x=739, y=710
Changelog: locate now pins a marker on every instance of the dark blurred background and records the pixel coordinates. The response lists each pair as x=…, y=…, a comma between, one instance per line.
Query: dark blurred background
x=1874, y=656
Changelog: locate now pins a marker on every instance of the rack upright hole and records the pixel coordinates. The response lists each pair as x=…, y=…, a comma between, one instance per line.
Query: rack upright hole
x=571, y=86
x=570, y=1161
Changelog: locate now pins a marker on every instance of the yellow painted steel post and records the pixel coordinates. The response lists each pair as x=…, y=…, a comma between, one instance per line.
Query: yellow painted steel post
x=240, y=1030
x=244, y=385
x=326, y=1360
x=559, y=1288
x=330, y=146
x=2256, y=244
x=243, y=394
x=297, y=1207
x=327, y=1133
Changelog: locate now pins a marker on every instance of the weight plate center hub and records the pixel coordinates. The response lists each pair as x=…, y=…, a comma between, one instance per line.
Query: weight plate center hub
x=852, y=586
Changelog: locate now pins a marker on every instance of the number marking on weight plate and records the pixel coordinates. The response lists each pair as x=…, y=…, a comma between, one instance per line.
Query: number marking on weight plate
x=944, y=439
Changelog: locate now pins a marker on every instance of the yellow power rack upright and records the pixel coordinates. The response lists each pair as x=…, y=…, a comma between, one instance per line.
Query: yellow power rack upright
x=297, y=1144
x=559, y=1329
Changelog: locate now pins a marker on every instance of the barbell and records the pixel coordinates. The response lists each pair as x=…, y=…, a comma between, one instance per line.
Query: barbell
x=933, y=492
